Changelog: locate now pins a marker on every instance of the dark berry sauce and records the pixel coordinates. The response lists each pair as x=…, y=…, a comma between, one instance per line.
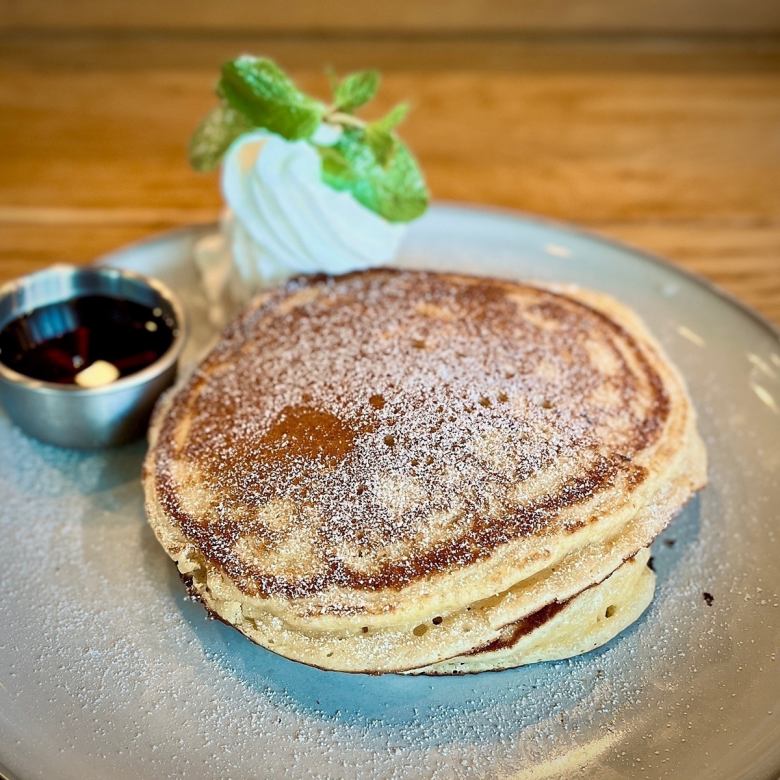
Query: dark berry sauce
x=54, y=343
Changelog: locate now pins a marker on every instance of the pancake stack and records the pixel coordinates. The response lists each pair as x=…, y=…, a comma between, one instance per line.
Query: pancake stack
x=402, y=471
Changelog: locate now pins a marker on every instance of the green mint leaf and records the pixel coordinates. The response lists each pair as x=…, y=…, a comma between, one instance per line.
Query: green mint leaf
x=260, y=90
x=382, y=143
x=220, y=127
x=355, y=90
x=395, y=191
x=380, y=136
x=392, y=118
x=334, y=164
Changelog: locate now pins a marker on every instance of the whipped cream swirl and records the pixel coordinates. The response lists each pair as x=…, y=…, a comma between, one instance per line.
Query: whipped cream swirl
x=282, y=220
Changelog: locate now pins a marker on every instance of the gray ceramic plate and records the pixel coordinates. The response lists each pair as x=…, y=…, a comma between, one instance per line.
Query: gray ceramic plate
x=107, y=671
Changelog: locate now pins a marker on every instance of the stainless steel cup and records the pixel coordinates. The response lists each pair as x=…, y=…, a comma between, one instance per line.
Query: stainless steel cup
x=72, y=416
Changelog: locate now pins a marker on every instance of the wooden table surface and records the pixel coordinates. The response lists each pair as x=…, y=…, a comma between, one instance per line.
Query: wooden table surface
x=672, y=144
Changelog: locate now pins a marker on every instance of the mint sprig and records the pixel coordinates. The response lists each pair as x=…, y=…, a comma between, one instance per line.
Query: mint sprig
x=355, y=90
x=368, y=160
x=396, y=190
x=263, y=93
x=218, y=129
x=380, y=135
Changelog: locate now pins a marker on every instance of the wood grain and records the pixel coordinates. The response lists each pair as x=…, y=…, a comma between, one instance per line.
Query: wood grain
x=399, y=16
x=673, y=145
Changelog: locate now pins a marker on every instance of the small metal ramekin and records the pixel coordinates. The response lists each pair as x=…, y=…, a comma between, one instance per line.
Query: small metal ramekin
x=72, y=416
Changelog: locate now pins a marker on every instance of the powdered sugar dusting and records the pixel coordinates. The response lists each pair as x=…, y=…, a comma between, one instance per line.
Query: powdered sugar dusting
x=129, y=675
x=397, y=418
x=107, y=671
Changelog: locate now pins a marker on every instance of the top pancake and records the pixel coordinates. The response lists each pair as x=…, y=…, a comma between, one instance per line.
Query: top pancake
x=363, y=450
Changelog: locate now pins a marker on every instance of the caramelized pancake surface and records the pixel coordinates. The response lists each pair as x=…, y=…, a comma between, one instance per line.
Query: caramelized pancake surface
x=361, y=453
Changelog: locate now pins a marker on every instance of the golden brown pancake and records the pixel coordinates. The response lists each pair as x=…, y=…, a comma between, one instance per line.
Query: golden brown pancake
x=381, y=471
x=563, y=629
